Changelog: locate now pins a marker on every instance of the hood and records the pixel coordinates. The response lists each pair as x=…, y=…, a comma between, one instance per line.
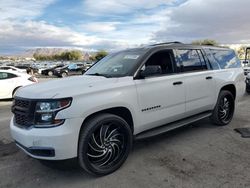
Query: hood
x=66, y=87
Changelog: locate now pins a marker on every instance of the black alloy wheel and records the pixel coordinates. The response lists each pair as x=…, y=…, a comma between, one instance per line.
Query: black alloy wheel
x=224, y=109
x=104, y=144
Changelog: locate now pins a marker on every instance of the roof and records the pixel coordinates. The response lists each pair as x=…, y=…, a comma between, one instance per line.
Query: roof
x=177, y=44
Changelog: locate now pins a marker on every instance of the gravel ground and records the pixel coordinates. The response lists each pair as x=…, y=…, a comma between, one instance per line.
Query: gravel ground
x=199, y=155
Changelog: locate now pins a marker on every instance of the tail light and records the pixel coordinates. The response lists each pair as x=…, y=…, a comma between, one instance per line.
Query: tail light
x=33, y=79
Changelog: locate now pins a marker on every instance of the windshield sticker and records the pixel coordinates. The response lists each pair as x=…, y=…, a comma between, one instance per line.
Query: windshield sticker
x=131, y=57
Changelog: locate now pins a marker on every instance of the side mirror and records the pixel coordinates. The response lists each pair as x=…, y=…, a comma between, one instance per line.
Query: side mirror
x=150, y=70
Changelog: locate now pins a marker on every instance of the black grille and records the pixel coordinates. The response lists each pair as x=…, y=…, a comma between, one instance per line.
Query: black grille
x=23, y=110
x=22, y=103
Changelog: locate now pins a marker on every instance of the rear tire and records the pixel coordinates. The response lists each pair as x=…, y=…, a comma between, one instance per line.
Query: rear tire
x=104, y=144
x=50, y=73
x=224, y=109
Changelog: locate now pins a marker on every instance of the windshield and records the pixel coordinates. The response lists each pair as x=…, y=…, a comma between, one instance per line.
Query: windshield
x=116, y=65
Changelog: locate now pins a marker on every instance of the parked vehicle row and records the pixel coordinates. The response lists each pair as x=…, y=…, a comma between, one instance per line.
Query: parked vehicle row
x=49, y=69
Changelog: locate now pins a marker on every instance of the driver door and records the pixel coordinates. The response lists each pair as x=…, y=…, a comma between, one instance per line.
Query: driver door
x=161, y=96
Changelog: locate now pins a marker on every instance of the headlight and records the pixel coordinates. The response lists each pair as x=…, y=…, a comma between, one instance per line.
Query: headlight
x=46, y=112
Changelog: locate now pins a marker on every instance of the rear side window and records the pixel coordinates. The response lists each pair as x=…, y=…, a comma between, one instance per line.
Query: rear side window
x=190, y=60
x=4, y=75
x=11, y=75
x=212, y=60
x=225, y=58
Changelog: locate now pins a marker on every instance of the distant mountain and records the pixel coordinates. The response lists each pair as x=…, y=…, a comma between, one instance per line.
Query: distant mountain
x=53, y=51
x=47, y=51
x=28, y=54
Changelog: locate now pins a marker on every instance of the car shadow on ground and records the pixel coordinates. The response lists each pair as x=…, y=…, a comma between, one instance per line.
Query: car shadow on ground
x=201, y=125
x=73, y=166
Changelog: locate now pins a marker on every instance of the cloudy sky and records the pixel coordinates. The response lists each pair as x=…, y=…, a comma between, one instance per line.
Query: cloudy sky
x=119, y=24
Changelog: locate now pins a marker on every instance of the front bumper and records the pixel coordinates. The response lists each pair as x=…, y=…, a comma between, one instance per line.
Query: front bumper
x=56, y=143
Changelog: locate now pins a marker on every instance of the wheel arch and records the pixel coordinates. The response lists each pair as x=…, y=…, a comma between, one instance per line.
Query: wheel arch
x=120, y=111
x=14, y=90
x=231, y=88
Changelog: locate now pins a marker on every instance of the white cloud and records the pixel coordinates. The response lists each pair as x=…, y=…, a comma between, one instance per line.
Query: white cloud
x=99, y=27
x=223, y=20
x=31, y=33
x=22, y=9
x=120, y=24
x=96, y=7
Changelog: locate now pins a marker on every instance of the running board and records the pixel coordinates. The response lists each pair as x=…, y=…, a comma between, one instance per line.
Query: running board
x=171, y=126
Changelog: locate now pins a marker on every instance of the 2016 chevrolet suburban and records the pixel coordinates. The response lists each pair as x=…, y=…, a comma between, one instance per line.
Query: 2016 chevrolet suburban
x=131, y=94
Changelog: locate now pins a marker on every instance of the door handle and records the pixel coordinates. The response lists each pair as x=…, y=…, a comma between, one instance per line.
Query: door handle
x=209, y=78
x=177, y=83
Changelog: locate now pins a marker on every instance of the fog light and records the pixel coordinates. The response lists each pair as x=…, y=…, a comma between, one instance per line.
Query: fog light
x=46, y=117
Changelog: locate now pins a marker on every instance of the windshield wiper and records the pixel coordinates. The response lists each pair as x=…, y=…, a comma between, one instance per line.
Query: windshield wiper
x=98, y=74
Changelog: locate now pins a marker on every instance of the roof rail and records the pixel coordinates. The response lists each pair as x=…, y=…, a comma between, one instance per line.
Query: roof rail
x=163, y=43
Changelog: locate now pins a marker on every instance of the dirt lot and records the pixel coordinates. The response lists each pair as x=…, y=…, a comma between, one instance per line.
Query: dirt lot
x=199, y=155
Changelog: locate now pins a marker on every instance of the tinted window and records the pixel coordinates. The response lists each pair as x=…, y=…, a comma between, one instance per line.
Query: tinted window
x=203, y=62
x=190, y=60
x=117, y=64
x=11, y=75
x=213, y=62
x=226, y=58
x=4, y=68
x=161, y=60
x=3, y=75
x=72, y=66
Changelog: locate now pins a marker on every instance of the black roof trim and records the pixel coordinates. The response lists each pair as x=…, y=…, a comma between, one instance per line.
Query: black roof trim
x=164, y=43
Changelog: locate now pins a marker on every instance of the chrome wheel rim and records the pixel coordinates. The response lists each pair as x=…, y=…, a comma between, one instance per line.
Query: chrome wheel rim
x=106, y=145
x=225, y=109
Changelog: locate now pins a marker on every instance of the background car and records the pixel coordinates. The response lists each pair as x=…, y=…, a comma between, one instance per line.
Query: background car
x=12, y=68
x=50, y=71
x=71, y=69
x=10, y=81
x=29, y=69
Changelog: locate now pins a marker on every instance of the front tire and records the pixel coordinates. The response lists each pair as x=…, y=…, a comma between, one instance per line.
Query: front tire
x=224, y=109
x=64, y=74
x=104, y=144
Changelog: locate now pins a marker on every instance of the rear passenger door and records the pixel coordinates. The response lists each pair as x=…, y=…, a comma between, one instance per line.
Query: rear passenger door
x=198, y=79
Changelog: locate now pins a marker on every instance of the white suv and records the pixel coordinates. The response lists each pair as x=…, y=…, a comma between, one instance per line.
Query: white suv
x=132, y=94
